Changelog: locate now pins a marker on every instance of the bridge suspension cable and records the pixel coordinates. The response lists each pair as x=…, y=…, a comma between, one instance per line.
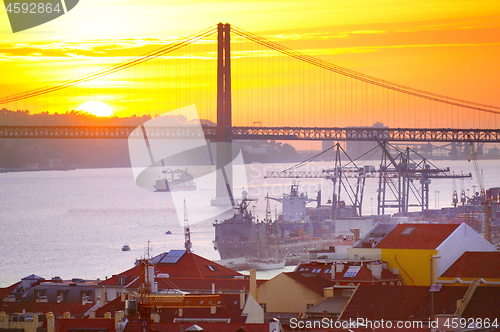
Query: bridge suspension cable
x=365, y=78
x=109, y=70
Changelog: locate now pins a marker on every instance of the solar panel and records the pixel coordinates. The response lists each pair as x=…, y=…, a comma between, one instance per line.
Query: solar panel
x=352, y=271
x=173, y=256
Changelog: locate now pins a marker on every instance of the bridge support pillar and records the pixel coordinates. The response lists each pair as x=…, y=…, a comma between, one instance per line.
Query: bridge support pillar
x=224, y=153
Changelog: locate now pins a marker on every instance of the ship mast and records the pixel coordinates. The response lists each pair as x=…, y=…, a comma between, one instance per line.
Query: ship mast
x=187, y=232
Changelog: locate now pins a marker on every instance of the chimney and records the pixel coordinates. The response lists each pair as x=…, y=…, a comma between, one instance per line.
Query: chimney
x=50, y=322
x=92, y=314
x=333, y=271
x=180, y=312
x=107, y=315
x=4, y=318
x=151, y=278
x=356, y=233
x=123, y=297
x=253, y=283
x=213, y=288
x=118, y=317
x=102, y=296
x=376, y=269
x=66, y=315
x=242, y=299
x=213, y=310
x=339, y=268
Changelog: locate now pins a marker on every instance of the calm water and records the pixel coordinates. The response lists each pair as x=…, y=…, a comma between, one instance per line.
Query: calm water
x=74, y=223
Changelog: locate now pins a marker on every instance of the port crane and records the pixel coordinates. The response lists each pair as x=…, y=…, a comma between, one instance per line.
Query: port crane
x=486, y=198
x=397, y=176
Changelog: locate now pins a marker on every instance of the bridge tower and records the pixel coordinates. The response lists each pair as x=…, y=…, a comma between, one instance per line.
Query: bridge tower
x=224, y=180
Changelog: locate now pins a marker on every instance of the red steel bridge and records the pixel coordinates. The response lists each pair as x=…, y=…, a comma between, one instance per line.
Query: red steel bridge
x=246, y=87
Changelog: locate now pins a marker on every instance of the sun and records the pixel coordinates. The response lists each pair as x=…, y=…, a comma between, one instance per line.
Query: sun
x=97, y=108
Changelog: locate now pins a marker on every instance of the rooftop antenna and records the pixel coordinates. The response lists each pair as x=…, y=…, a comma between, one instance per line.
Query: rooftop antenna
x=187, y=232
x=148, y=249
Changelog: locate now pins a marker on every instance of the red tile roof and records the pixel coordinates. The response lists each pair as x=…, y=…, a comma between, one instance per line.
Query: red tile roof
x=76, y=309
x=4, y=292
x=111, y=307
x=231, y=309
x=475, y=264
x=64, y=325
x=193, y=285
x=415, y=302
x=207, y=327
x=363, y=276
x=189, y=265
x=423, y=236
x=200, y=284
x=311, y=281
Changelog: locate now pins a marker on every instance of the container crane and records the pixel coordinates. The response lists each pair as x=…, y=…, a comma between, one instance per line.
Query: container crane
x=397, y=176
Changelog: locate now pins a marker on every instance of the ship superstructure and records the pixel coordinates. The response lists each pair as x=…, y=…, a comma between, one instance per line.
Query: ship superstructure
x=243, y=236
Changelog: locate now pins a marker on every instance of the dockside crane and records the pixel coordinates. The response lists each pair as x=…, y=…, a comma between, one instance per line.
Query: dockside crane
x=397, y=180
x=409, y=167
x=485, y=198
x=341, y=177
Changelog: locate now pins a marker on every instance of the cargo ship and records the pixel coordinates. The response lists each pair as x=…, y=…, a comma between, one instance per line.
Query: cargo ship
x=293, y=233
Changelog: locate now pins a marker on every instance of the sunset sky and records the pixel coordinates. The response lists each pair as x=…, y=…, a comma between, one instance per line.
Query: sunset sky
x=445, y=47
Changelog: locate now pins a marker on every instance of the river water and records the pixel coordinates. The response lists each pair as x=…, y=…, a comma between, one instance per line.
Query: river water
x=73, y=224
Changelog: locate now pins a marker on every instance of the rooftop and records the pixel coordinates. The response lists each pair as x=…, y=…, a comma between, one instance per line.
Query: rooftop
x=76, y=309
x=311, y=281
x=416, y=302
x=182, y=265
x=417, y=236
x=475, y=264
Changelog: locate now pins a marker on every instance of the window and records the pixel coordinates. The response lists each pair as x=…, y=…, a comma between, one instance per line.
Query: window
x=212, y=268
x=327, y=271
x=40, y=293
x=60, y=296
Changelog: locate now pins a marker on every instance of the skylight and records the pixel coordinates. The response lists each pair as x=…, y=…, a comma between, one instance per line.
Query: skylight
x=407, y=231
x=352, y=271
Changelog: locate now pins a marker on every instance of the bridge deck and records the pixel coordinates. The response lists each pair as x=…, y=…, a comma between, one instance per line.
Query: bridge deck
x=259, y=133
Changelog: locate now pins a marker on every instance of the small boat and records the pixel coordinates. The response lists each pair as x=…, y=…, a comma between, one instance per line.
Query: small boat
x=168, y=232
x=266, y=264
x=126, y=248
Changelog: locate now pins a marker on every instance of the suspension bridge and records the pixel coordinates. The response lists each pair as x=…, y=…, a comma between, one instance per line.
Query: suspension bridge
x=247, y=87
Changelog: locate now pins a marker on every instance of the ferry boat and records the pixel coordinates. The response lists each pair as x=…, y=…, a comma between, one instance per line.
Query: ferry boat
x=175, y=180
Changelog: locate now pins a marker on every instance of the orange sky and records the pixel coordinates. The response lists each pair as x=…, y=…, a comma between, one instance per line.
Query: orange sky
x=446, y=47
